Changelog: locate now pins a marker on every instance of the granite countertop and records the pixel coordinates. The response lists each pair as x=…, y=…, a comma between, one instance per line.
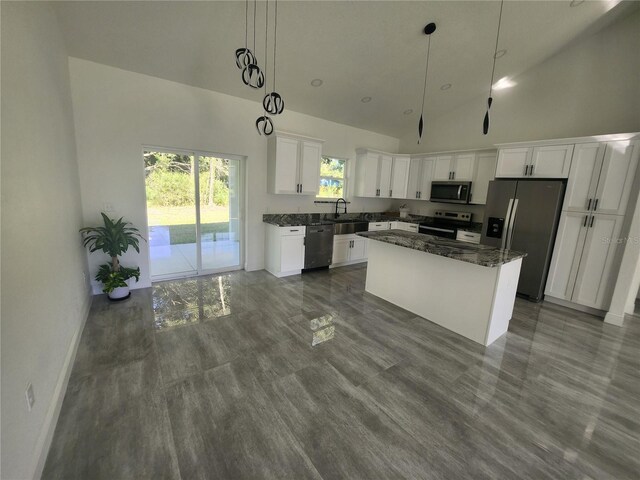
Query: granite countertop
x=306, y=219
x=477, y=254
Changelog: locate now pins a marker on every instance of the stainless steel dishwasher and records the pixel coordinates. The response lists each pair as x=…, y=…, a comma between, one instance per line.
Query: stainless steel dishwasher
x=318, y=243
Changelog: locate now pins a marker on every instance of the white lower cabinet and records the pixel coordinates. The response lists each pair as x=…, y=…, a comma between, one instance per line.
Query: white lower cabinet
x=583, y=259
x=284, y=250
x=406, y=226
x=348, y=249
x=374, y=226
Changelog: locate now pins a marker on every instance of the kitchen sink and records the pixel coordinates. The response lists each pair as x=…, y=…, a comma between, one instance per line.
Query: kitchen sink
x=347, y=227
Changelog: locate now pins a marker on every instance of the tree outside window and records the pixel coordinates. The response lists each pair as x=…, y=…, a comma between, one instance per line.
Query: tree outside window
x=333, y=177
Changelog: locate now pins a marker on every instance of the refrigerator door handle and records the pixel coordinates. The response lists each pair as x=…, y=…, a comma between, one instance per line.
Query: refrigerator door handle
x=508, y=218
x=512, y=222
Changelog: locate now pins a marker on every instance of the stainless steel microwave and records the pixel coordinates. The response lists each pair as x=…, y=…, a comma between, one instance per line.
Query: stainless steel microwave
x=450, y=192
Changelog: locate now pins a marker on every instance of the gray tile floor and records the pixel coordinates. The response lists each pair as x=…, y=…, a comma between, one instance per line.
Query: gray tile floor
x=215, y=378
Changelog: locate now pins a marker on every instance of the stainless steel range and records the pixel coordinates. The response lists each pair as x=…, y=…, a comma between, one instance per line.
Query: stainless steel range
x=446, y=224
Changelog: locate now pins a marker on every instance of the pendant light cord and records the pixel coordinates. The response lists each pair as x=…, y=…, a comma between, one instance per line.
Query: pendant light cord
x=266, y=41
x=255, y=7
x=246, y=24
x=495, y=50
x=275, y=44
x=426, y=70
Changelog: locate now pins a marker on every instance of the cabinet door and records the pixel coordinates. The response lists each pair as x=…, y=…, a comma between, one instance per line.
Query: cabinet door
x=485, y=171
x=310, y=167
x=358, y=249
x=463, y=167
x=512, y=162
x=384, y=175
x=367, y=171
x=426, y=176
x=400, y=177
x=442, y=167
x=566, y=255
x=291, y=253
x=583, y=177
x=413, y=183
x=286, y=170
x=594, y=285
x=618, y=169
x=552, y=161
x=374, y=226
x=341, y=248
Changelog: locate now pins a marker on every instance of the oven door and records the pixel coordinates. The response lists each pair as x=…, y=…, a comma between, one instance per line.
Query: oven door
x=438, y=231
x=450, y=192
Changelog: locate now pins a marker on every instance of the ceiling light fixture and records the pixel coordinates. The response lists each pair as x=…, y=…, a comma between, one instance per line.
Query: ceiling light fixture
x=408, y=111
x=264, y=124
x=244, y=56
x=252, y=75
x=485, y=123
x=500, y=53
x=446, y=86
x=316, y=82
x=428, y=30
x=273, y=102
x=504, y=82
x=365, y=99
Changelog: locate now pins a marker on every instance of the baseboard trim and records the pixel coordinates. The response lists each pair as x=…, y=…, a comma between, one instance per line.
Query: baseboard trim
x=51, y=419
x=614, y=319
x=575, y=306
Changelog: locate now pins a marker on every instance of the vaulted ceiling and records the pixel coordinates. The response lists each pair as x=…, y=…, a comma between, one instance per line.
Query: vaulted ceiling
x=358, y=48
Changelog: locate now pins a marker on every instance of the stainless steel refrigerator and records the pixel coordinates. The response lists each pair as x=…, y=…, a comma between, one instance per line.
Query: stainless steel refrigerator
x=523, y=215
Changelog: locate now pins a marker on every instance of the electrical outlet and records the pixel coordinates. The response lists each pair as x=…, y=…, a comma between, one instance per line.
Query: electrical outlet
x=29, y=397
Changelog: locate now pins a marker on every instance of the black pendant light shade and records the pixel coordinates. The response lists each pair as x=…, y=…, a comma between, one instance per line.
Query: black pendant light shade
x=253, y=76
x=485, y=123
x=273, y=103
x=428, y=30
x=264, y=125
x=244, y=57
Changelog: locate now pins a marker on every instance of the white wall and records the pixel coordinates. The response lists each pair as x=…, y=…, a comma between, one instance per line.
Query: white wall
x=44, y=296
x=117, y=112
x=590, y=87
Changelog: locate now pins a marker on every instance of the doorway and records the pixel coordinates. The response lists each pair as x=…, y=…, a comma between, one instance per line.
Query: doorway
x=193, y=212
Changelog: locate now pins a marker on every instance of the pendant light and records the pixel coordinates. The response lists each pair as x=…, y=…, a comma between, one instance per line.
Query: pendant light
x=252, y=75
x=273, y=102
x=428, y=30
x=244, y=56
x=264, y=124
x=485, y=123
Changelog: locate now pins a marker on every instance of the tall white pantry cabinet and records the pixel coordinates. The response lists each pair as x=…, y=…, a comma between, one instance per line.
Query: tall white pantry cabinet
x=588, y=241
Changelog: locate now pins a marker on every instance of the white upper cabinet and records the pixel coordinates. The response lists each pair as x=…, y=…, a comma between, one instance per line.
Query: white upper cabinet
x=601, y=176
x=548, y=161
x=552, y=161
x=512, y=162
x=616, y=177
x=400, y=176
x=458, y=166
x=484, y=172
x=381, y=175
x=420, y=176
x=293, y=164
x=583, y=177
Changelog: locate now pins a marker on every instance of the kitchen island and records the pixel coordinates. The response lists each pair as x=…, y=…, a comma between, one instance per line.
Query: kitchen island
x=468, y=289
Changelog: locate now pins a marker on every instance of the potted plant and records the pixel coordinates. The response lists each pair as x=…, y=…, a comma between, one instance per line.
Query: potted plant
x=114, y=239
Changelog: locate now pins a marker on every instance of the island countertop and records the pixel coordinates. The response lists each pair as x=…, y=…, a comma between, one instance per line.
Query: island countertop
x=477, y=254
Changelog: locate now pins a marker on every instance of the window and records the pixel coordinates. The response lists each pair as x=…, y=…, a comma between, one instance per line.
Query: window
x=333, y=177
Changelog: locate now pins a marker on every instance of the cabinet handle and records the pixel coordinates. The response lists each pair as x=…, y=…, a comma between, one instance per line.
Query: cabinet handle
x=531, y=171
x=300, y=188
x=595, y=205
x=419, y=194
x=591, y=224
x=390, y=192
x=589, y=205
x=453, y=175
x=294, y=230
x=586, y=217
x=526, y=170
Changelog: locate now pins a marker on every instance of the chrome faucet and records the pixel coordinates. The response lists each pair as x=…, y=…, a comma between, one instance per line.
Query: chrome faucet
x=345, y=206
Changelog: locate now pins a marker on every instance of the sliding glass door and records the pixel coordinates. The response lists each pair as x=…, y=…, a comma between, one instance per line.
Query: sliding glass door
x=193, y=210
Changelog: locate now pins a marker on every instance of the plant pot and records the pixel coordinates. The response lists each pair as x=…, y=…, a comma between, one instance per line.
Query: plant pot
x=119, y=293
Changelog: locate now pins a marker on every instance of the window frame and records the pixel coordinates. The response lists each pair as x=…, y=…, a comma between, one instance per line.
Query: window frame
x=344, y=179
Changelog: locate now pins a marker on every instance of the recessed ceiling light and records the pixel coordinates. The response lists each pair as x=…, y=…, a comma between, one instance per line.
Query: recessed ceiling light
x=316, y=82
x=500, y=53
x=365, y=99
x=575, y=3
x=504, y=82
x=408, y=111
x=446, y=86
